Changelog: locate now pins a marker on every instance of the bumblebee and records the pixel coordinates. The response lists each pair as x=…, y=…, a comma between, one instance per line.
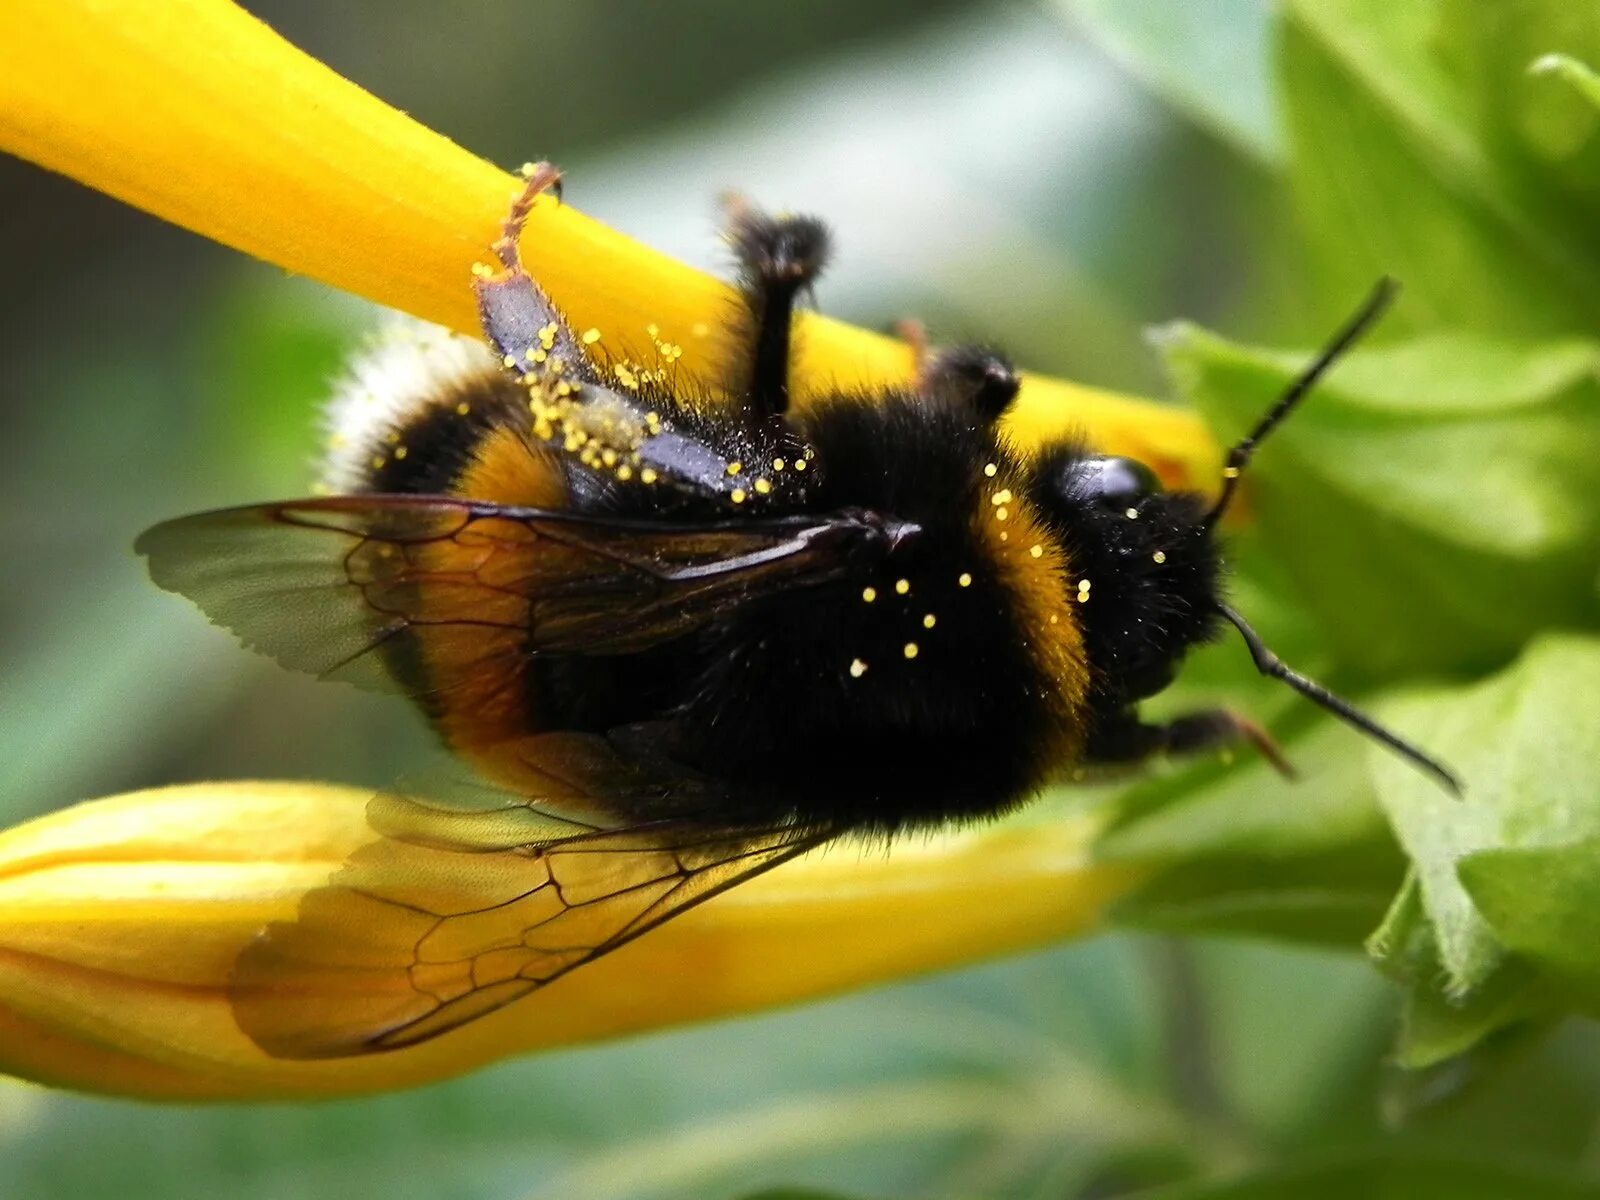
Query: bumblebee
x=681, y=639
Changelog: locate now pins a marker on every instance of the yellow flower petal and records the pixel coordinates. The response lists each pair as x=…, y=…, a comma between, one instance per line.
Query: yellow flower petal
x=121, y=919
x=197, y=112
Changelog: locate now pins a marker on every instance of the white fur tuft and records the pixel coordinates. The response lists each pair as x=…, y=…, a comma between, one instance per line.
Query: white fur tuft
x=405, y=365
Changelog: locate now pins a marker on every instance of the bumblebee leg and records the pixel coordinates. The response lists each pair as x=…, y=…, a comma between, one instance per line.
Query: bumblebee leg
x=540, y=178
x=972, y=375
x=519, y=319
x=914, y=334
x=1131, y=740
x=778, y=258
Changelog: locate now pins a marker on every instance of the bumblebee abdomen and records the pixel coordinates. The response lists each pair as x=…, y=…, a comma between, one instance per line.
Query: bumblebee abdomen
x=942, y=681
x=941, y=677
x=890, y=703
x=427, y=412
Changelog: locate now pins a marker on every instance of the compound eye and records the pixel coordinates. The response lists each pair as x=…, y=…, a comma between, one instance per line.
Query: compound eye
x=1110, y=482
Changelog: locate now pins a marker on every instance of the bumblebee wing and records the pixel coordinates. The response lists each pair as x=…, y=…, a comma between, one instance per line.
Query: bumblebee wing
x=461, y=907
x=429, y=592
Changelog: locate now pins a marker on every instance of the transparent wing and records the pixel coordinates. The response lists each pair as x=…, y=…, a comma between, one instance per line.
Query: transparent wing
x=428, y=592
x=464, y=905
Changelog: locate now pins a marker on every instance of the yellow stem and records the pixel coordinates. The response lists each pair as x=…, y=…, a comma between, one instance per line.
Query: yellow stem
x=197, y=112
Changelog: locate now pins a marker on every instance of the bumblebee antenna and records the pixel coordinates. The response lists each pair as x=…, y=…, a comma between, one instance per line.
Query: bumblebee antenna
x=1239, y=457
x=1271, y=665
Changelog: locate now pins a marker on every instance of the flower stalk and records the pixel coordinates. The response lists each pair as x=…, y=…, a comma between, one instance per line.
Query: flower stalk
x=196, y=111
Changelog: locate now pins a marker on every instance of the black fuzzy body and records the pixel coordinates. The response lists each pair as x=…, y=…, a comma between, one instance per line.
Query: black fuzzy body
x=925, y=679
x=766, y=698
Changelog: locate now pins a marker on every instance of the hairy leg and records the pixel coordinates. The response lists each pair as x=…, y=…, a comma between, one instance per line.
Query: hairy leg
x=1130, y=740
x=971, y=375
x=778, y=258
x=519, y=319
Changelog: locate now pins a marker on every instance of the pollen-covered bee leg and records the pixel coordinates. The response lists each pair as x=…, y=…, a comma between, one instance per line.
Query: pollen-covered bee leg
x=540, y=178
x=778, y=258
x=1131, y=740
x=519, y=319
x=971, y=375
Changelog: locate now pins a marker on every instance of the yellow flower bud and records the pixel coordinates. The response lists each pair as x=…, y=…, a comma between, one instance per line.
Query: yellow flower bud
x=121, y=921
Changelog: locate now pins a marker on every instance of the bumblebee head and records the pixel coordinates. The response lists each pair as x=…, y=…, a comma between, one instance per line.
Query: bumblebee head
x=1145, y=575
x=1146, y=567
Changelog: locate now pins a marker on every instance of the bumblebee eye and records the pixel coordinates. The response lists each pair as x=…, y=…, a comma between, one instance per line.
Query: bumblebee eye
x=1109, y=482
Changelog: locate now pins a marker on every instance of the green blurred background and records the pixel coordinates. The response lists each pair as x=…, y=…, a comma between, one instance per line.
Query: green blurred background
x=1052, y=178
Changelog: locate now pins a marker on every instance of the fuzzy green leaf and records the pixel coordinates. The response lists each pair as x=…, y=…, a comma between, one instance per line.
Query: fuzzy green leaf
x=1462, y=465
x=1543, y=903
x=1526, y=744
x=1437, y=1024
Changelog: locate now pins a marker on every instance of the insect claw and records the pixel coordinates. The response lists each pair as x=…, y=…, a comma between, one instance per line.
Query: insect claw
x=541, y=178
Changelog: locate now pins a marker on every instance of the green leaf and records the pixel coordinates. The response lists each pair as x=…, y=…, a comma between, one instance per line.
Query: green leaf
x=1543, y=903
x=1244, y=851
x=1393, y=173
x=1320, y=900
x=1542, y=135
x=1463, y=465
x=1564, y=67
x=1436, y=1027
x=1207, y=58
x=1436, y=1024
x=1253, y=812
x=1526, y=744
